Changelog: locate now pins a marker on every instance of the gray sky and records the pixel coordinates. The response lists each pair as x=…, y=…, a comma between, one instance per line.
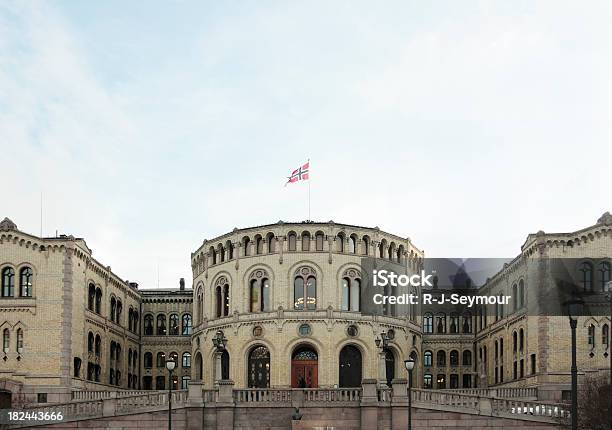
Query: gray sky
x=149, y=126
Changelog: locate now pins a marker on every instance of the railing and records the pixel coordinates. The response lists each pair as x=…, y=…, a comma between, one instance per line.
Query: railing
x=79, y=409
x=210, y=396
x=331, y=394
x=262, y=395
x=445, y=398
x=502, y=392
x=150, y=400
x=105, y=394
x=384, y=395
x=504, y=407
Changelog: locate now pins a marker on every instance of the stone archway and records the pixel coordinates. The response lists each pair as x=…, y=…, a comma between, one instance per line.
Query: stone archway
x=350, y=367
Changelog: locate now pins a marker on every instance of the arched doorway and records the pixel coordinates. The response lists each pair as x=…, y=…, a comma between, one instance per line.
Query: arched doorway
x=389, y=366
x=304, y=368
x=350, y=367
x=198, y=366
x=259, y=367
x=5, y=399
x=225, y=365
x=415, y=371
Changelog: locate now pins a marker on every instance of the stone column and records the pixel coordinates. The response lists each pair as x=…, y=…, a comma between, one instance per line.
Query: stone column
x=399, y=405
x=382, y=368
x=217, y=367
x=369, y=404
x=194, y=413
x=225, y=405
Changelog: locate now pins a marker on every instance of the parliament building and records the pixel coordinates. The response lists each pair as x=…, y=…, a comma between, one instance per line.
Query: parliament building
x=281, y=305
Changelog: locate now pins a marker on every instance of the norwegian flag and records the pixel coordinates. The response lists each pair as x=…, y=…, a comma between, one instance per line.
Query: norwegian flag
x=300, y=174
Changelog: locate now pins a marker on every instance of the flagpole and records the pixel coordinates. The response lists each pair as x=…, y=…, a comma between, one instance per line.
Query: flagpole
x=309, y=170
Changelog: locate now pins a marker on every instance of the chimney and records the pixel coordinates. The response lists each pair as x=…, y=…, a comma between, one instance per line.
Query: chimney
x=182, y=284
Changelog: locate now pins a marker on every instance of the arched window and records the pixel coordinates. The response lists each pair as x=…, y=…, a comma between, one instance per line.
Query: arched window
x=605, y=333
x=305, y=289
x=221, y=252
x=161, y=325
x=98, y=345
x=186, y=360
x=173, y=324
x=25, y=282
x=130, y=319
x=271, y=243
x=427, y=381
x=19, y=340
x=454, y=358
x=259, y=291
x=222, y=297
x=6, y=340
x=90, y=342
x=8, y=282
x=258, y=245
x=292, y=238
x=441, y=323
x=98, y=300
x=148, y=325
x=428, y=359
x=305, y=241
x=340, y=241
x=225, y=365
x=604, y=275
x=119, y=310
x=186, y=325
x=259, y=367
x=366, y=245
x=77, y=367
x=521, y=293
x=591, y=336
x=428, y=323
x=514, y=342
x=496, y=349
x=351, y=291
x=219, y=301
x=91, y=298
x=226, y=300
x=586, y=276
x=246, y=245
x=441, y=381
x=319, y=238
x=467, y=322
x=230, y=249
x=113, y=308
x=352, y=244
x=515, y=298
x=148, y=360
x=161, y=360
x=198, y=366
x=391, y=251
x=521, y=339
x=454, y=323
x=441, y=358
x=467, y=358
x=213, y=255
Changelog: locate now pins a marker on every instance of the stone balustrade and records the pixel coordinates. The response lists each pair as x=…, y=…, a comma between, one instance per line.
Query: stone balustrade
x=105, y=394
x=501, y=392
x=512, y=408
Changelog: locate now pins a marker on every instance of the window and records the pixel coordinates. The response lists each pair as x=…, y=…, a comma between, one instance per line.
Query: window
x=533, y=364
x=521, y=293
x=90, y=342
x=366, y=245
x=454, y=358
x=161, y=360
x=428, y=359
x=222, y=297
x=514, y=370
x=148, y=360
x=292, y=238
x=514, y=342
x=113, y=308
x=260, y=291
x=41, y=398
x=351, y=291
x=521, y=339
x=441, y=358
x=186, y=360
x=8, y=282
x=160, y=382
x=515, y=298
x=605, y=332
x=441, y=323
x=522, y=368
x=340, y=242
x=91, y=298
x=352, y=330
x=467, y=322
x=98, y=345
x=25, y=282
x=305, y=289
x=271, y=243
x=130, y=319
x=98, y=301
x=454, y=381
x=19, y=340
x=161, y=325
x=427, y=381
x=77, y=367
x=258, y=245
x=148, y=325
x=319, y=238
x=591, y=336
x=467, y=381
x=454, y=323
x=428, y=323
x=441, y=381
x=305, y=241
x=586, y=276
x=604, y=275
x=147, y=383
x=352, y=244
x=186, y=326
x=185, y=382
x=467, y=358
x=174, y=325
x=174, y=357
x=6, y=340
x=305, y=330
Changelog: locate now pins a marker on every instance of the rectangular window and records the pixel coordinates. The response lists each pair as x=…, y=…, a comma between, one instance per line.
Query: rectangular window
x=533, y=364
x=42, y=397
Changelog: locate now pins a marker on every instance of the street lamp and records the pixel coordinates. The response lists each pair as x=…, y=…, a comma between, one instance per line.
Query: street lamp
x=574, y=309
x=409, y=363
x=170, y=365
x=219, y=340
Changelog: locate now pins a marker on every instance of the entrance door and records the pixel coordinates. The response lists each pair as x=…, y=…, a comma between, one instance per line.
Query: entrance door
x=259, y=367
x=304, y=368
x=350, y=367
x=5, y=400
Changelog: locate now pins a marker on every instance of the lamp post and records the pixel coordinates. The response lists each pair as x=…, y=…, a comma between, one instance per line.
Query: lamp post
x=574, y=309
x=170, y=365
x=219, y=341
x=409, y=363
x=382, y=342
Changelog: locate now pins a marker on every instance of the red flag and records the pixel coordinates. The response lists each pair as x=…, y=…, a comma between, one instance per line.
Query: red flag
x=300, y=174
